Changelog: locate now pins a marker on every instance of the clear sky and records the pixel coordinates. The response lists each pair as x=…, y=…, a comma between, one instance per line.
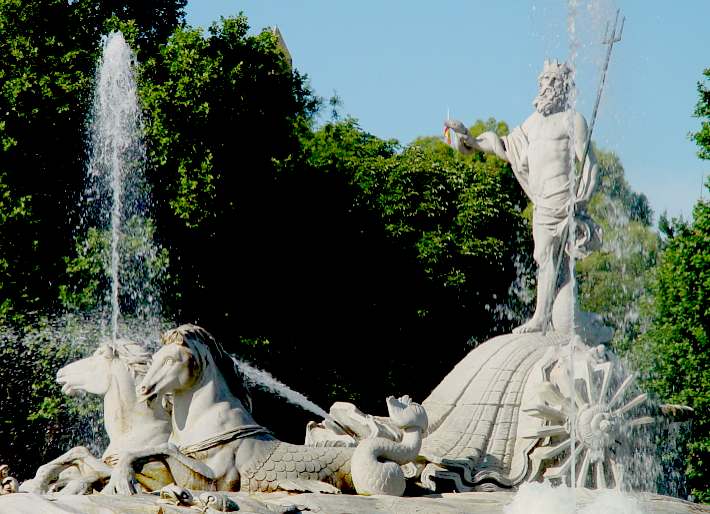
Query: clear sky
x=398, y=65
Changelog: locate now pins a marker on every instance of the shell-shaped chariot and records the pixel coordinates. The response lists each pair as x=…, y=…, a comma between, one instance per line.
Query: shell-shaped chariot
x=518, y=408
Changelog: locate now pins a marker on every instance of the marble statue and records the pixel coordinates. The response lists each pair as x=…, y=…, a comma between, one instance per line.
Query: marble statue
x=210, y=423
x=111, y=371
x=539, y=154
x=499, y=419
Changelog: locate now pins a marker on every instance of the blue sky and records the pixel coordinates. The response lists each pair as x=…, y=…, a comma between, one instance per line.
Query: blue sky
x=398, y=65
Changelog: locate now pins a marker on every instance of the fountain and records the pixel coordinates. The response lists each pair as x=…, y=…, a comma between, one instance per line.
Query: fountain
x=538, y=420
x=117, y=199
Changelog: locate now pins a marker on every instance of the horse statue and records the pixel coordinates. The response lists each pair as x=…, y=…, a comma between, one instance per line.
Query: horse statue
x=211, y=424
x=111, y=371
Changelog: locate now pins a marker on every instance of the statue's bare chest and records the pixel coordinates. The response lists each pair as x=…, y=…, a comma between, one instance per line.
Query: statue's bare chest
x=554, y=127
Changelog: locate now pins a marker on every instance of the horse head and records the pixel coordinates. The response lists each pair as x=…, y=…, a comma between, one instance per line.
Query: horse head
x=174, y=369
x=91, y=374
x=94, y=374
x=190, y=355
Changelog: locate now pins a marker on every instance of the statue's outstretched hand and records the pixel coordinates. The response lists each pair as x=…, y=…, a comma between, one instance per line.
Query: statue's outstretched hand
x=456, y=126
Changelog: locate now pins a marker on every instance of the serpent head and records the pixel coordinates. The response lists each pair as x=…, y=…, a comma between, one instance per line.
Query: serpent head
x=407, y=414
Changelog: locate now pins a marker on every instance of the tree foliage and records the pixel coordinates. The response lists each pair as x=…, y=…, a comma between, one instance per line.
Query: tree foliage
x=399, y=248
x=676, y=350
x=615, y=281
x=702, y=111
x=223, y=111
x=677, y=347
x=49, y=53
x=34, y=413
x=49, y=50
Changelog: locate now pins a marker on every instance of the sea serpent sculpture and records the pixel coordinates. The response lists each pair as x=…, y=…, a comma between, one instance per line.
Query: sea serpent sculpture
x=211, y=424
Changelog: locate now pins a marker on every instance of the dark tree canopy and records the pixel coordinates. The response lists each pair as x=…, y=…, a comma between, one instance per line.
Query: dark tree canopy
x=49, y=51
x=49, y=54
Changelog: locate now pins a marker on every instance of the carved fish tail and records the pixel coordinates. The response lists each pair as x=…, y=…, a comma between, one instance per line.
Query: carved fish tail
x=289, y=463
x=376, y=462
x=371, y=475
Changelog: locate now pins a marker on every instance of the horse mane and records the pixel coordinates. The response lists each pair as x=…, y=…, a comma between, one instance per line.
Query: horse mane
x=203, y=343
x=136, y=358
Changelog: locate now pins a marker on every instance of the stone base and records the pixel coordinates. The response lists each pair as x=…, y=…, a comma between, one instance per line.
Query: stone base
x=447, y=503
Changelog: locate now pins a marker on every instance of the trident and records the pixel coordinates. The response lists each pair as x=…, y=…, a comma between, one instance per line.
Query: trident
x=609, y=39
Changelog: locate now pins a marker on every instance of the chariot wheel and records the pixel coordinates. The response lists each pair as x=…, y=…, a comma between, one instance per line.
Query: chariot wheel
x=601, y=410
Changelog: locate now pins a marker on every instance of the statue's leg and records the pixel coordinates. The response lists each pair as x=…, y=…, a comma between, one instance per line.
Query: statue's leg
x=546, y=243
x=564, y=309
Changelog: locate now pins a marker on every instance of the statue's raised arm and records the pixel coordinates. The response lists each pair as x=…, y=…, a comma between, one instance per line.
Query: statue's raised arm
x=465, y=143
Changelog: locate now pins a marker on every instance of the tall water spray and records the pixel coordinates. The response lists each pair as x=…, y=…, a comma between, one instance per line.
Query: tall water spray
x=117, y=195
x=571, y=231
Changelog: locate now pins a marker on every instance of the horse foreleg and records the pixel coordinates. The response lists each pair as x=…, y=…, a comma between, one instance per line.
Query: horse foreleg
x=123, y=476
x=50, y=473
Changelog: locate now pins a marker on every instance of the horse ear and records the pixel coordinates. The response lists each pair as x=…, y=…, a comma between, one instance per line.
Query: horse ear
x=173, y=336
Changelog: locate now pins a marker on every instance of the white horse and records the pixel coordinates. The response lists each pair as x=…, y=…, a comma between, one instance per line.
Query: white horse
x=111, y=371
x=211, y=424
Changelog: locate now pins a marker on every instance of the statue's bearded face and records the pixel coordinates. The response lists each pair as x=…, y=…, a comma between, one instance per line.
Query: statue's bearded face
x=552, y=93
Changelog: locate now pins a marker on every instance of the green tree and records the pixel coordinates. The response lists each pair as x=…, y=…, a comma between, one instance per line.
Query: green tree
x=34, y=413
x=49, y=53
x=50, y=50
x=490, y=125
x=615, y=281
x=702, y=111
x=224, y=115
x=404, y=248
x=676, y=349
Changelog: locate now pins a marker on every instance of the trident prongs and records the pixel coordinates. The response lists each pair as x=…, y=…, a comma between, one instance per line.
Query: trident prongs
x=614, y=37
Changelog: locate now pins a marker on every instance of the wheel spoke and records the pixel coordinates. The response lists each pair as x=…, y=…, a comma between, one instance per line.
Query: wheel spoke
x=622, y=388
x=550, y=394
x=633, y=403
x=562, y=471
x=601, y=478
x=639, y=422
x=547, y=431
x=584, y=469
x=618, y=472
x=550, y=452
x=588, y=378
x=546, y=412
x=606, y=380
x=579, y=400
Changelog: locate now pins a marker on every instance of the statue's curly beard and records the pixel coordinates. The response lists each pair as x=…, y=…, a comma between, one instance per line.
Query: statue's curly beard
x=549, y=101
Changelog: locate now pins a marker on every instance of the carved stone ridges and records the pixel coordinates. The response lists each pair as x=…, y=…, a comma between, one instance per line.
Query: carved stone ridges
x=295, y=462
x=474, y=412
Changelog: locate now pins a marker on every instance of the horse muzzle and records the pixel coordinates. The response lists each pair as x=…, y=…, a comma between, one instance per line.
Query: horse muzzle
x=146, y=393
